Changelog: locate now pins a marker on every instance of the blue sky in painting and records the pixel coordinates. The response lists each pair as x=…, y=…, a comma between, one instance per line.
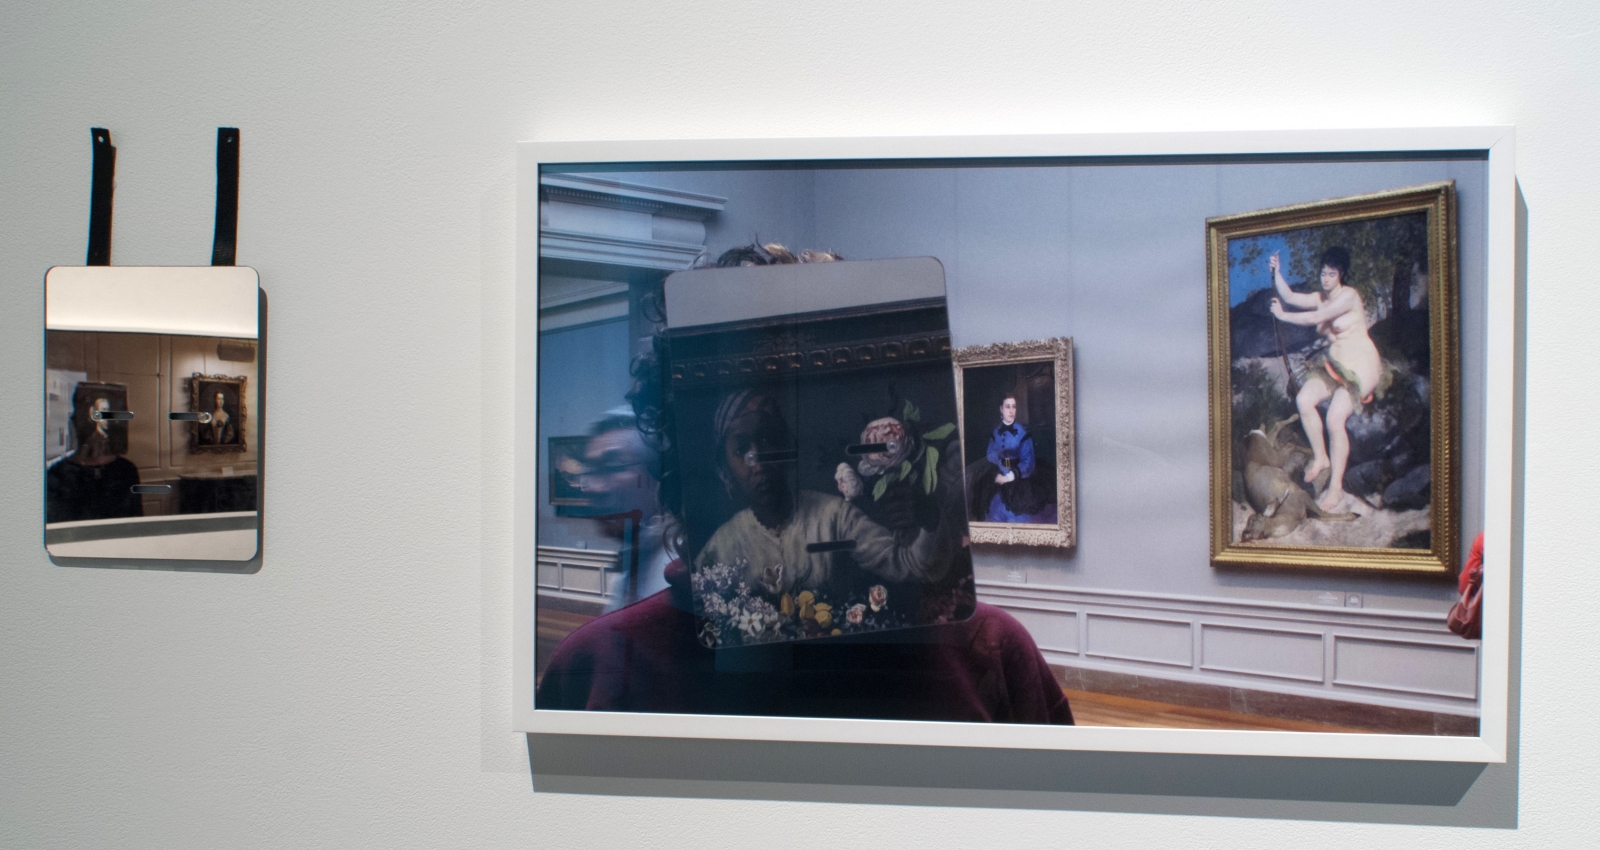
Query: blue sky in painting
x=1245, y=278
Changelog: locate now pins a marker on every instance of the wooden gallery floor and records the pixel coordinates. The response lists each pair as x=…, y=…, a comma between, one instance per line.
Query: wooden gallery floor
x=1092, y=709
x=1089, y=708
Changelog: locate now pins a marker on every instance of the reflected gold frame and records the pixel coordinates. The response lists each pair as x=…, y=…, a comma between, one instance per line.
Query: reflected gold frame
x=1058, y=350
x=560, y=444
x=1438, y=200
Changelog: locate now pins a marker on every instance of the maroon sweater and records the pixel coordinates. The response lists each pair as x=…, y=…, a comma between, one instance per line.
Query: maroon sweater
x=646, y=658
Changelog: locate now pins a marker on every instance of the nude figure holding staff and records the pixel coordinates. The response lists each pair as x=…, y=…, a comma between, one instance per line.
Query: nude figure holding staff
x=1345, y=376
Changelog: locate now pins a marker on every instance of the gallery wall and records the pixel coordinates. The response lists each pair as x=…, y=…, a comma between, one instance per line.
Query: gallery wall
x=355, y=692
x=1114, y=257
x=588, y=366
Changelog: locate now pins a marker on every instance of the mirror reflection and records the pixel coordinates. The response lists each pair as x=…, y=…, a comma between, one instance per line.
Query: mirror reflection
x=151, y=439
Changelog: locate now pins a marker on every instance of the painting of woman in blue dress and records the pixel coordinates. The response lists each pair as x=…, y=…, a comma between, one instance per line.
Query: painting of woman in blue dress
x=1011, y=462
x=1011, y=450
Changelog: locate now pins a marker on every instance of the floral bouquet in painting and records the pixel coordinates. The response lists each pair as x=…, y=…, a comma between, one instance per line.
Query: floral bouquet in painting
x=904, y=456
x=736, y=612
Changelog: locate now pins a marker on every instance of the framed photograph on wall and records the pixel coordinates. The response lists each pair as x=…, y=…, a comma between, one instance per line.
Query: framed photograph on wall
x=942, y=458
x=1015, y=402
x=1333, y=410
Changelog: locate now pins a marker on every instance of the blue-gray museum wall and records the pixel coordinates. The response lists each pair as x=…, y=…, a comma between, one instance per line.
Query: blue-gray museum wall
x=587, y=368
x=1114, y=257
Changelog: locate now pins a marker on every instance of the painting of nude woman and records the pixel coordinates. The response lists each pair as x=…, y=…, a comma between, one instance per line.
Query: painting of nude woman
x=1333, y=376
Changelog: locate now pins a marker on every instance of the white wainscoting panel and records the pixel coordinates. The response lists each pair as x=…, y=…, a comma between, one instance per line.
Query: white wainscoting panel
x=578, y=574
x=1400, y=659
x=1051, y=630
x=1141, y=639
x=1274, y=653
x=1406, y=666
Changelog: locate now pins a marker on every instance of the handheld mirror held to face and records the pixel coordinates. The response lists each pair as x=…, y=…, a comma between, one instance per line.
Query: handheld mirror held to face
x=152, y=406
x=822, y=490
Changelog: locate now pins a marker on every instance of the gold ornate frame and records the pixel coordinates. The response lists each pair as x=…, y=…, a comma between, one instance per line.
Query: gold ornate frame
x=239, y=383
x=1438, y=201
x=1057, y=350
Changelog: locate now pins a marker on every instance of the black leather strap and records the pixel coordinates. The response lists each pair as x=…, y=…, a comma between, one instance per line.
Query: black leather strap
x=105, y=165
x=105, y=168
x=222, y=244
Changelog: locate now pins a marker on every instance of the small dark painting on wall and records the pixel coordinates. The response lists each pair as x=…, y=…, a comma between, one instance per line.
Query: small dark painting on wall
x=566, y=476
x=219, y=399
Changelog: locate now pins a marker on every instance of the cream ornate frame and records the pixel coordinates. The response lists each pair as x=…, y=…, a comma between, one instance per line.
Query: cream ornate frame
x=1500, y=424
x=1057, y=350
x=1437, y=200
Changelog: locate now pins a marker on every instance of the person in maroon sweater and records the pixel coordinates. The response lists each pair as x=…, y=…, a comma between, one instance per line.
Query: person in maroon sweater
x=646, y=657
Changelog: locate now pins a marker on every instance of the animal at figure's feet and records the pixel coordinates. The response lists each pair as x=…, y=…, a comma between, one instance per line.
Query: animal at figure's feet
x=1315, y=468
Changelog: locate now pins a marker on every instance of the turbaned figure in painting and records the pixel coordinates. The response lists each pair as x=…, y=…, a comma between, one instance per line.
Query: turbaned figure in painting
x=784, y=534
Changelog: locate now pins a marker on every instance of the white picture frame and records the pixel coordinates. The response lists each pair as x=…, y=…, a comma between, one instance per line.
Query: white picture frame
x=1499, y=425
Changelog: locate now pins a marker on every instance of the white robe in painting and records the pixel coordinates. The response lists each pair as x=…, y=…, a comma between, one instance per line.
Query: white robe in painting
x=818, y=518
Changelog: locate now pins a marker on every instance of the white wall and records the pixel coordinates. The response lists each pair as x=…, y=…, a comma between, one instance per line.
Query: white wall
x=354, y=693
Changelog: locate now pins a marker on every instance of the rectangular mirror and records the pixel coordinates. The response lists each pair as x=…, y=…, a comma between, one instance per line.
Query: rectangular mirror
x=152, y=415
x=816, y=432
